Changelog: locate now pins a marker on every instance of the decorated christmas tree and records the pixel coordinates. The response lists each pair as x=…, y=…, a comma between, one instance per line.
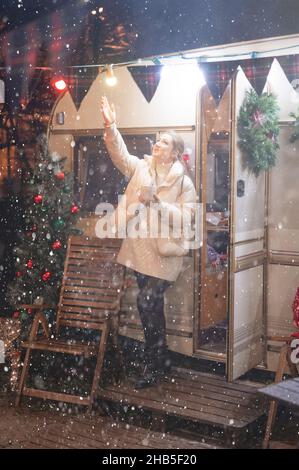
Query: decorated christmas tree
x=50, y=216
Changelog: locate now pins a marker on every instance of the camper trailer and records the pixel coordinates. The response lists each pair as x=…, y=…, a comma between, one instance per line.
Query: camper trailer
x=237, y=289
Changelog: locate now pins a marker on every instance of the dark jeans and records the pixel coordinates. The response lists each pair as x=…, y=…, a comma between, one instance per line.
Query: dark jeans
x=150, y=303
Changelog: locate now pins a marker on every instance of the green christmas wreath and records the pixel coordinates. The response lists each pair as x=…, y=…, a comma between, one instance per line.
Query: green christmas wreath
x=258, y=130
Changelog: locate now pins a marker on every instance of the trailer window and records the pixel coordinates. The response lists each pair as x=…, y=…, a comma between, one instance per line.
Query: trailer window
x=96, y=178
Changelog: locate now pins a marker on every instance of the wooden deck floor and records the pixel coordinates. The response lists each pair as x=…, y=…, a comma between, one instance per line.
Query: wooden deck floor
x=194, y=396
x=32, y=428
x=105, y=433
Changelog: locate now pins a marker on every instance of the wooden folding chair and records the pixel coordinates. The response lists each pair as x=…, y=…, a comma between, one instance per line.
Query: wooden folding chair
x=284, y=359
x=90, y=297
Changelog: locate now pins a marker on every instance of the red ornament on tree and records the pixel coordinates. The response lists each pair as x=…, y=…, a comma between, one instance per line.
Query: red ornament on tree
x=38, y=199
x=56, y=245
x=16, y=314
x=19, y=274
x=29, y=264
x=29, y=311
x=60, y=175
x=46, y=276
x=74, y=209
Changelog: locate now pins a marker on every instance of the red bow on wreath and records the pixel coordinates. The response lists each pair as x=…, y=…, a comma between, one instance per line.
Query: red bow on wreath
x=259, y=119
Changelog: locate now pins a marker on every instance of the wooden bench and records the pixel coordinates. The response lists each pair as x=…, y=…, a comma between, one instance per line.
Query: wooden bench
x=195, y=396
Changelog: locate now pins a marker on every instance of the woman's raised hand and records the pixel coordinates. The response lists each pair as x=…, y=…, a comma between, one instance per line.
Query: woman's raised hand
x=108, y=112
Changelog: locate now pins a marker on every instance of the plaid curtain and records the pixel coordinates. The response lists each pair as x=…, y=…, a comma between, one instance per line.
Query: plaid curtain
x=147, y=79
x=290, y=66
x=217, y=76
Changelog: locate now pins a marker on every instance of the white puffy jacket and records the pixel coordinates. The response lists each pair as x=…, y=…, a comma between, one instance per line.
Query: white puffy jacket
x=142, y=254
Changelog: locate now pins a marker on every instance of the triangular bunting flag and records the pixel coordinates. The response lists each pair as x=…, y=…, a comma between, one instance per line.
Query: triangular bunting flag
x=290, y=66
x=147, y=79
x=79, y=84
x=256, y=71
x=217, y=76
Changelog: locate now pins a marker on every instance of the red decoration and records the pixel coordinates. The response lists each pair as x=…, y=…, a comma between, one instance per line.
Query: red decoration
x=38, y=199
x=16, y=314
x=60, y=175
x=215, y=263
x=46, y=276
x=271, y=137
x=295, y=307
x=259, y=119
x=23, y=103
x=59, y=84
x=186, y=157
x=56, y=245
x=74, y=209
x=19, y=274
x=29, y=264
x=29, y=311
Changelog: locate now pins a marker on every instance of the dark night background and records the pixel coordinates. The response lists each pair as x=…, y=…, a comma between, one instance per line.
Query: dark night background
x=163, y=26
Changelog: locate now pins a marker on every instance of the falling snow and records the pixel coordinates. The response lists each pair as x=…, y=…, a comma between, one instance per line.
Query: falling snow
x=194, y=402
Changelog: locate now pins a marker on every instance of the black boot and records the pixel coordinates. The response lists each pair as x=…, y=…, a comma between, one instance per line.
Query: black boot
x=158, y=366
x=163, y=362
x=150, y=378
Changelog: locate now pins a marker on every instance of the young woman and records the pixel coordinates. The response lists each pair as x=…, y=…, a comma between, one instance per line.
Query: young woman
x=159, y=179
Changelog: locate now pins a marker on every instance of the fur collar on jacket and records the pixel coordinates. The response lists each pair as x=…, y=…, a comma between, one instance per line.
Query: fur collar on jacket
x=175, y=172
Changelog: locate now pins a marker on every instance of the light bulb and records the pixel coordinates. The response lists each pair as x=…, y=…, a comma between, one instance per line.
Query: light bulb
x=111, y=79
x=59, y=84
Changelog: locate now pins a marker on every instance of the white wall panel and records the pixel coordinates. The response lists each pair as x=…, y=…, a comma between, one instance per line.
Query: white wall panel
x=284, y=196
x=249, y=209
x=248, y=320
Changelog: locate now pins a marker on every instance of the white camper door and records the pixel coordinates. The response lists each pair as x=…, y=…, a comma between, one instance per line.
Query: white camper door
x=247, y=254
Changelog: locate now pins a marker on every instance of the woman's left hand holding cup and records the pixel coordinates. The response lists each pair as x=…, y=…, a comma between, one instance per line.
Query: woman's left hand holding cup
x=146, y=195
